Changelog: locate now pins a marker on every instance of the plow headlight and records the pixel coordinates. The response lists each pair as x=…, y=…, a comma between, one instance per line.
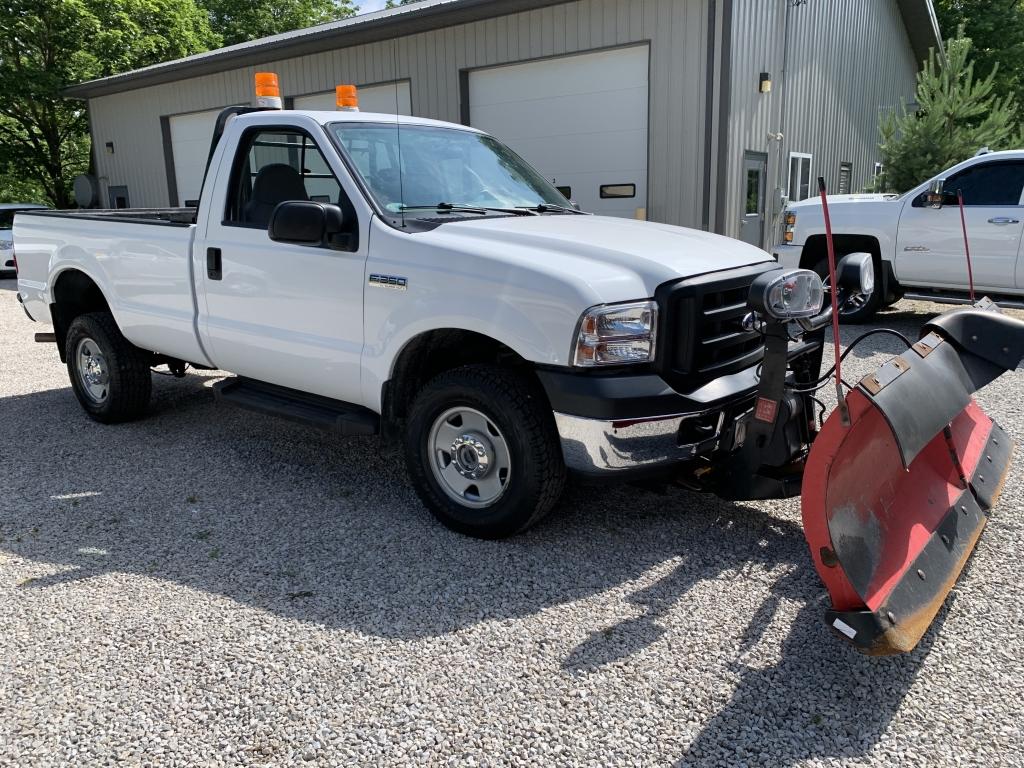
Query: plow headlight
x=616, y=334
x=788, y=294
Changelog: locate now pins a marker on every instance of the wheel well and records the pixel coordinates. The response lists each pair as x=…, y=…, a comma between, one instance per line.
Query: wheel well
x=74, y=294
x=432, y=353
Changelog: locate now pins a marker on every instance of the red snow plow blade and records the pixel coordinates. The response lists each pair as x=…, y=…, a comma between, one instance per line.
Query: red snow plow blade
x=894, y=503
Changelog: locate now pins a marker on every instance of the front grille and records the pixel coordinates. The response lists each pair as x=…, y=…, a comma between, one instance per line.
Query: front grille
x=701, y=333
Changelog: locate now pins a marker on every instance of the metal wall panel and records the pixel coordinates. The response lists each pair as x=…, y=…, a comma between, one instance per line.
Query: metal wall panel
x=846, y=62
x=676, y=29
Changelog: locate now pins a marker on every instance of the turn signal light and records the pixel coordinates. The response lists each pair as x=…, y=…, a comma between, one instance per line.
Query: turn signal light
x=268, y=92
x=347, y=98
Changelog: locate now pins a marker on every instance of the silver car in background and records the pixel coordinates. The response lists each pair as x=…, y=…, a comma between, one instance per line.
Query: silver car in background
x=7, y=211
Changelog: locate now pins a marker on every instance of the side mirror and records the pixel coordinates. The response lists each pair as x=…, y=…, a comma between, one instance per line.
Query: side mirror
x=305, y=222
x=855, y=274
x=936, y=193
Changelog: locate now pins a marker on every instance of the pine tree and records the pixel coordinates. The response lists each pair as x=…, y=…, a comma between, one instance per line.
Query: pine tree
x=957, y=114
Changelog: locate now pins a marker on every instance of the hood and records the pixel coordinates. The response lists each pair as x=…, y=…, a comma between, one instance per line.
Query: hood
x=815, y=202
x=606, y=253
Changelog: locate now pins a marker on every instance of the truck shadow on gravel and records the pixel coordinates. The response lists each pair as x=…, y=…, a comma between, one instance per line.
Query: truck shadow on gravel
x=327, y=531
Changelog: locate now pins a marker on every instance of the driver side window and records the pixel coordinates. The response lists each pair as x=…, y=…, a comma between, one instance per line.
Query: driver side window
x=991, y=184
x=274, y=166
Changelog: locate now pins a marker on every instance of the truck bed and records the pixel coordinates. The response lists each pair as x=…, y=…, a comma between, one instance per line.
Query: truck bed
x=179, y=217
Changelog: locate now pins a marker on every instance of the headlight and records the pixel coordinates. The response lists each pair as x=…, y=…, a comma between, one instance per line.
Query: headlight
x=616, y=334
x=787, y=294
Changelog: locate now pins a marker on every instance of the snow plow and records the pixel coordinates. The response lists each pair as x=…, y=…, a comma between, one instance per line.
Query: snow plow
x=897, y=483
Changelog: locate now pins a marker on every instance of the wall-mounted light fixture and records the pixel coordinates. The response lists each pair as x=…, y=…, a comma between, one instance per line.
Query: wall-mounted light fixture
x=764, y=84
x=110, y=147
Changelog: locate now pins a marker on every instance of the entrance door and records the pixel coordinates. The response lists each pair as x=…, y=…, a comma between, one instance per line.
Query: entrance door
x=755, y=171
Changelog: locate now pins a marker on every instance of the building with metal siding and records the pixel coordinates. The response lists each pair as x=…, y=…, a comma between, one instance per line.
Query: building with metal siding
x=832, y=66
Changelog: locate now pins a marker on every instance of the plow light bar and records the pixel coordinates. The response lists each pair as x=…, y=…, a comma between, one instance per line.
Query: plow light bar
x=787, y=295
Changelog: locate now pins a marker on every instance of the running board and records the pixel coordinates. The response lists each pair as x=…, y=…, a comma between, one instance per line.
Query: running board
x=321, y=412
x=956, y=297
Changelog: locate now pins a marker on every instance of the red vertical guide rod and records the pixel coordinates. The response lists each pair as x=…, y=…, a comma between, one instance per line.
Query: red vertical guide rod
x=967, y=245
x=844, y=411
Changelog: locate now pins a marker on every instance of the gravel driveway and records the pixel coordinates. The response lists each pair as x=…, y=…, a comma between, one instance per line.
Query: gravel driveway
x=207, y=587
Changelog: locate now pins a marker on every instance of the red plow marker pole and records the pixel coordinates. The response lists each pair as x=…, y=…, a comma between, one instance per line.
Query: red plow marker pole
x=967, y=246
x=834, y=296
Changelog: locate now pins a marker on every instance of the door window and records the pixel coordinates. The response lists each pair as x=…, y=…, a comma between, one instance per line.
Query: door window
x=276, y=166
x=989, y=184
x=799, y=176
x=753, y=206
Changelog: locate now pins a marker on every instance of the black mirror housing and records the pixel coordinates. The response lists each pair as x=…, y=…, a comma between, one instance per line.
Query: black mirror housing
x=305, y=222
x=855, y=273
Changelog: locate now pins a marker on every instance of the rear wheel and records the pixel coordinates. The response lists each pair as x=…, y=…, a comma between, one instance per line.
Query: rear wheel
x=483, y=452
x=859, y=309
x=109, y=375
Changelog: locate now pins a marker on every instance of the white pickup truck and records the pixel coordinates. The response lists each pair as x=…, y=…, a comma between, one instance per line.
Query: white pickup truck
x=416, y=280
x=917, y=238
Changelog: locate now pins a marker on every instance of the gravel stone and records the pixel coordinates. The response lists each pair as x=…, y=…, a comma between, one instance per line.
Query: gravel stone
x=210, y=588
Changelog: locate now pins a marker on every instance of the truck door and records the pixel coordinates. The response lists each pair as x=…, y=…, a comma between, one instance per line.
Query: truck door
x=286, y=314
x=930, y=244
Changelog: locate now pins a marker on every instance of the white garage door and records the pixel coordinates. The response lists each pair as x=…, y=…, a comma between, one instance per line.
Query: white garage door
x=580, y=120
x=190, y=146
x=375, y=98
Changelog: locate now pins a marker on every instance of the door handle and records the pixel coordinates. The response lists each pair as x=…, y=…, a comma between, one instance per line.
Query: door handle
x=1003, y=221
x=213, y=267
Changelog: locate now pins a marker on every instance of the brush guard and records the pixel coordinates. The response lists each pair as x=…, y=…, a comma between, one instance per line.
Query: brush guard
x=894, y=504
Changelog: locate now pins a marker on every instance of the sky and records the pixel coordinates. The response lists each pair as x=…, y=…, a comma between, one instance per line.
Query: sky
x=366, y=6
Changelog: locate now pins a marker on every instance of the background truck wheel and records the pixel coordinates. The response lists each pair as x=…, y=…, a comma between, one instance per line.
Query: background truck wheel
x=110, y=375
x=861, y=309
x=483, y=451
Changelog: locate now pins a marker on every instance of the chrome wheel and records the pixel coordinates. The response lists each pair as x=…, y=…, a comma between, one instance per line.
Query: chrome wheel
x=92, y=369
x=469, y=457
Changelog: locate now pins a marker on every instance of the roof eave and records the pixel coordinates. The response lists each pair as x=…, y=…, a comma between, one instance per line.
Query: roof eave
x=358, y=30
x=922, y=28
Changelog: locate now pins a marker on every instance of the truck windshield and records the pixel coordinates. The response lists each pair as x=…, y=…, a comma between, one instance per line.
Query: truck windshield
x=421, y=170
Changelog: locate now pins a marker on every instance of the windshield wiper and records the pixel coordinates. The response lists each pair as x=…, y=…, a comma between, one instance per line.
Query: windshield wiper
x=460, y=208
x=549, y=207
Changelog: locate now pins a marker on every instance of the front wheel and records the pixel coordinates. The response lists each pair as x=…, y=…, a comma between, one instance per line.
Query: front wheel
x=860, y=308
x=483, y=452
x=110, y=376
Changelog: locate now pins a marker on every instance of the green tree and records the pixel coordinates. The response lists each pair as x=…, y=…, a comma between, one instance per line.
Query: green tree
x=957, y=114
x=48, y=45
x=396, y=3
x=238, y=21
x=996, y=28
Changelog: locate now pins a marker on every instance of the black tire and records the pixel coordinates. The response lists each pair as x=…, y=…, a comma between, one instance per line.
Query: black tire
x=517, y=415
x=124, y=374
x=863, y=312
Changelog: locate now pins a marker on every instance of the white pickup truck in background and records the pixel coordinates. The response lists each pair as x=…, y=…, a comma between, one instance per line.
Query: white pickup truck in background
x=418, y=280
x=918, y=247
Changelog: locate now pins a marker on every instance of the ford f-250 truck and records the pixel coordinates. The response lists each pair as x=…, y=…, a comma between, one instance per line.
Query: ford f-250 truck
x=413, y=278
x=917, y=238
x=368, y=273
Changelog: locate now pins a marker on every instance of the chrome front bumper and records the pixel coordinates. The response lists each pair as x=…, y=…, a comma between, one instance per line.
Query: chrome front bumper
x=598, y=447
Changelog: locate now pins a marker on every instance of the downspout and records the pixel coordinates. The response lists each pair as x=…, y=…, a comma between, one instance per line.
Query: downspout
x=781, y=165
